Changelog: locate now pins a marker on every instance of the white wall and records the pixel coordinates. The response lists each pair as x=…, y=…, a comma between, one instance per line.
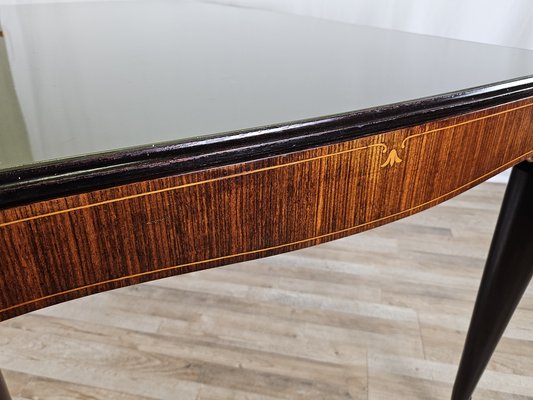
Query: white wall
x=502, y=22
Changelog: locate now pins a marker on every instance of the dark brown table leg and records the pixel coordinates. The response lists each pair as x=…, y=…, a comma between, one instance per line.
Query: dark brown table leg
x=4, y=394
x=506, y=276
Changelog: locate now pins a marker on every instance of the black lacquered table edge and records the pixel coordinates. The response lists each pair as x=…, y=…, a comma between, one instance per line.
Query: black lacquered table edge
x=59, y=178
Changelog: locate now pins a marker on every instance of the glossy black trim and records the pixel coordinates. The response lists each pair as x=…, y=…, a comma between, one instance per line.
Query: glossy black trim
x=59, y=178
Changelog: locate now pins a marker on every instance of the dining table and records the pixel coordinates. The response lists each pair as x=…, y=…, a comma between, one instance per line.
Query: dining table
x=145, y=139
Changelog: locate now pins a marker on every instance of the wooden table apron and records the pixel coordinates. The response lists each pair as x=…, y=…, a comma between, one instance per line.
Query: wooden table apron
x=64, y=248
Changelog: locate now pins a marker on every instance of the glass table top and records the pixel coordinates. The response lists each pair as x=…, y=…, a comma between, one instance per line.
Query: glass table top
x=85, y=77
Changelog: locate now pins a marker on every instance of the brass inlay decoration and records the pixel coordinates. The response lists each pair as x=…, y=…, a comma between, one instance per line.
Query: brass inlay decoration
x=176, y=267
x=392, y=159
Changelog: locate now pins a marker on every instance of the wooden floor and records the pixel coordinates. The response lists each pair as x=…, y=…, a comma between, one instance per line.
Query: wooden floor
x=381, y=315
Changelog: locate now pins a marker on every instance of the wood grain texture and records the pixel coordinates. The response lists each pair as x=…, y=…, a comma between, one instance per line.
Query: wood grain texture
x=380, y=315
x=65, y=248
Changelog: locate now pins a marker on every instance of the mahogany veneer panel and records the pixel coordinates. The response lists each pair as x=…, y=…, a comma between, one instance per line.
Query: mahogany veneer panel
x=68, y=247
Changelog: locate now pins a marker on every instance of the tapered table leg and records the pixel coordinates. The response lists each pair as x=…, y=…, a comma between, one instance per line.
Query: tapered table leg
x=4, y=394
x=506, y=276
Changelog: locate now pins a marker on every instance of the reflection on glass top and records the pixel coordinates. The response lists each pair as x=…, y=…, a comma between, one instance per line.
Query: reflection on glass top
x=78, y=78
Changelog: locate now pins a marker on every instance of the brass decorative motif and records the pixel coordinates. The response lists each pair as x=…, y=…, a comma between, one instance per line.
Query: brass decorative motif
x=392, y=159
